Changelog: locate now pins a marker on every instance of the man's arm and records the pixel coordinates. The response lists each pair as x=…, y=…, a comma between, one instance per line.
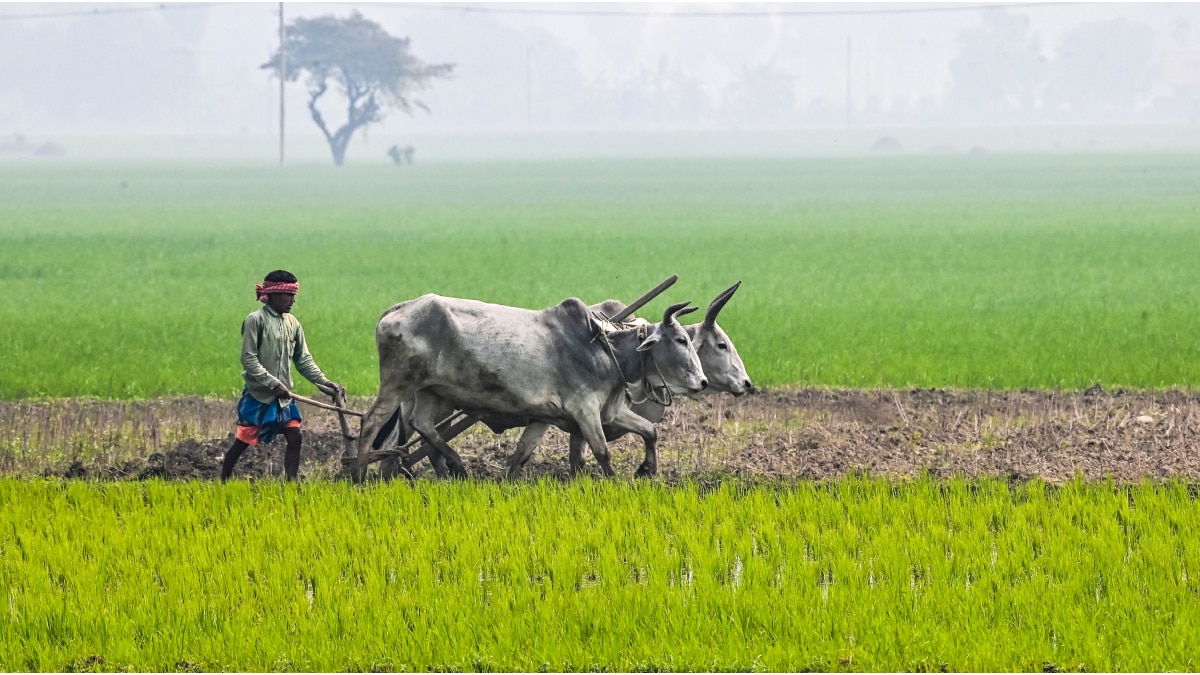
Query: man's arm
x=305, y=363
x=250, y=361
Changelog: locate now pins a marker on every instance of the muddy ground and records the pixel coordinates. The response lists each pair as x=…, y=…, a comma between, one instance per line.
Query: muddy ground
x=808, y=434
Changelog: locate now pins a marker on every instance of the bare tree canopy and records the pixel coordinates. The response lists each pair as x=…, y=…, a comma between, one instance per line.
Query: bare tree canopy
x=1103, y=68
x=371, y=68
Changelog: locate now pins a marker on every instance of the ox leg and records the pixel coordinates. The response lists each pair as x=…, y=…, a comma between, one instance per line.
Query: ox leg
x=436, y=459
x=424, y=420
x=525, y=446
x=390, y=467
x=576, y=455
x=393, y=466
x=627, y=421
x=444, y=411
x=440, y=469
x=387, y=404
x=593, y=433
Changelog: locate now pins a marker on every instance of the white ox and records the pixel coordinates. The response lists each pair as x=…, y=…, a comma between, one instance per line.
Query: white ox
x=554, y=365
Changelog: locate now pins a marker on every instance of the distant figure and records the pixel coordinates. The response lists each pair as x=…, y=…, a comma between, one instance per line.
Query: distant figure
x=17, y=145
x=886, y=144
x=401, y=156
x=50, y=149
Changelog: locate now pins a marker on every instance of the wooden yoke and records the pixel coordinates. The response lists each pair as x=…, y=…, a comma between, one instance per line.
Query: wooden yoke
x=641, y=302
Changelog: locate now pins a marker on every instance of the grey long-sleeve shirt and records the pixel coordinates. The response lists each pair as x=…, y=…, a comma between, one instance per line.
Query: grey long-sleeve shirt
x=271, y=342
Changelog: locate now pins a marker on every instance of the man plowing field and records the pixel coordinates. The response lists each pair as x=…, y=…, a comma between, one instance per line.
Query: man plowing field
x=272, y=340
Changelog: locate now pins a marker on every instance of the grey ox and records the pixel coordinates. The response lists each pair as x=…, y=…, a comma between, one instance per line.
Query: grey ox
x=723, y=369
x=719, y=358
x=554, y=365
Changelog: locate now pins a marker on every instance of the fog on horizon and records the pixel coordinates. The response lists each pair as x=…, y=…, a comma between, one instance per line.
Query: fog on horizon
x=181, y=70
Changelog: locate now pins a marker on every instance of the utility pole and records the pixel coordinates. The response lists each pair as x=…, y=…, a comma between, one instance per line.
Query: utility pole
x=270, y=103
x=847, y=81
x=529, y=87
x=282, y=79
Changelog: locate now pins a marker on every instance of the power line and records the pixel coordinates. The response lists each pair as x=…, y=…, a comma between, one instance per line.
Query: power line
x=928, y=9
x=99, y=11
x=550, y=11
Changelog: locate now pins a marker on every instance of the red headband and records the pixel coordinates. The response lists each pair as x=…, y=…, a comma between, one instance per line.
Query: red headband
x=267, y=287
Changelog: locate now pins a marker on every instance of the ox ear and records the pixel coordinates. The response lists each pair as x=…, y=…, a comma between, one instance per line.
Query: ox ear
x=649, y=342
x=718, y=303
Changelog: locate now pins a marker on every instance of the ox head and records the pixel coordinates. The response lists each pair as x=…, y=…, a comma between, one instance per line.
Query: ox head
x=670, y=349
x=722, y=365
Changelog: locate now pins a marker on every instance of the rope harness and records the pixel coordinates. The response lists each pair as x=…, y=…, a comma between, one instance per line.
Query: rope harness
x=661, y=395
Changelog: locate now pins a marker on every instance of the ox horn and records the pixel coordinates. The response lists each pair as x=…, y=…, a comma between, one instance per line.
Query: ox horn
x=677, y=310
x=718, y=303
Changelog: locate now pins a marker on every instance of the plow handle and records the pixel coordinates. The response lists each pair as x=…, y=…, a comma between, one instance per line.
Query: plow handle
x=326, y=406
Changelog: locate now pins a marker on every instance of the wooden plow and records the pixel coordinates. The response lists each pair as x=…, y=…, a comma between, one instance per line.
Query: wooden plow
x=398, y=460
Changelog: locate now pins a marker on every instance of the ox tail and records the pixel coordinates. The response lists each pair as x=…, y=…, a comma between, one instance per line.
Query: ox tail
x=387, y=428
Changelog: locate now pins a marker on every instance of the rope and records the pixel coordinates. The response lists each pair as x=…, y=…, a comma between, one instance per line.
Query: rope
x=648, y=392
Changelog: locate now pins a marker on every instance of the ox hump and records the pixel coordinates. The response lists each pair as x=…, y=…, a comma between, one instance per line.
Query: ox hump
x=572, y=309
x=572, y=317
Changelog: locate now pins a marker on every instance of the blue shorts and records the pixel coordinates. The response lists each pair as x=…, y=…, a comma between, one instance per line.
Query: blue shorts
x=260, y=422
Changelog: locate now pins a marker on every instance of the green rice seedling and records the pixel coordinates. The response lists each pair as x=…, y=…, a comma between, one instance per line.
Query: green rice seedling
x=855, y=574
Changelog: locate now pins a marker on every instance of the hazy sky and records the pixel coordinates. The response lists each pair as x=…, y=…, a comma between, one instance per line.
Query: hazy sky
x=91, y=68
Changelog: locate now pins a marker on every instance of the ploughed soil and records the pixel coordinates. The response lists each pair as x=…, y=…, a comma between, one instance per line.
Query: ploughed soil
x=806, y=434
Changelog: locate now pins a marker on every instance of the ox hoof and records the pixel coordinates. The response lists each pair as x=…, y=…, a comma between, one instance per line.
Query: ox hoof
x=389, y=468
x=646, y=471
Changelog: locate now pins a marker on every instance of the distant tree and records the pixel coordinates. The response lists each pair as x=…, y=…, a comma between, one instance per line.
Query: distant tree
x=998, y=69
x=372, y=69
x=1103, y=68
x=763, y=95
x=660, y=97
x=555, y=92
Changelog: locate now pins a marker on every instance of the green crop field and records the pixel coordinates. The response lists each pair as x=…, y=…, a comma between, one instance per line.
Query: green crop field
x=131, y=280
x=854, y=575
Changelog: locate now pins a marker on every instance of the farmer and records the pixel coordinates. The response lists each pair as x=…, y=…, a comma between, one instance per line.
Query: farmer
x=272, y=340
